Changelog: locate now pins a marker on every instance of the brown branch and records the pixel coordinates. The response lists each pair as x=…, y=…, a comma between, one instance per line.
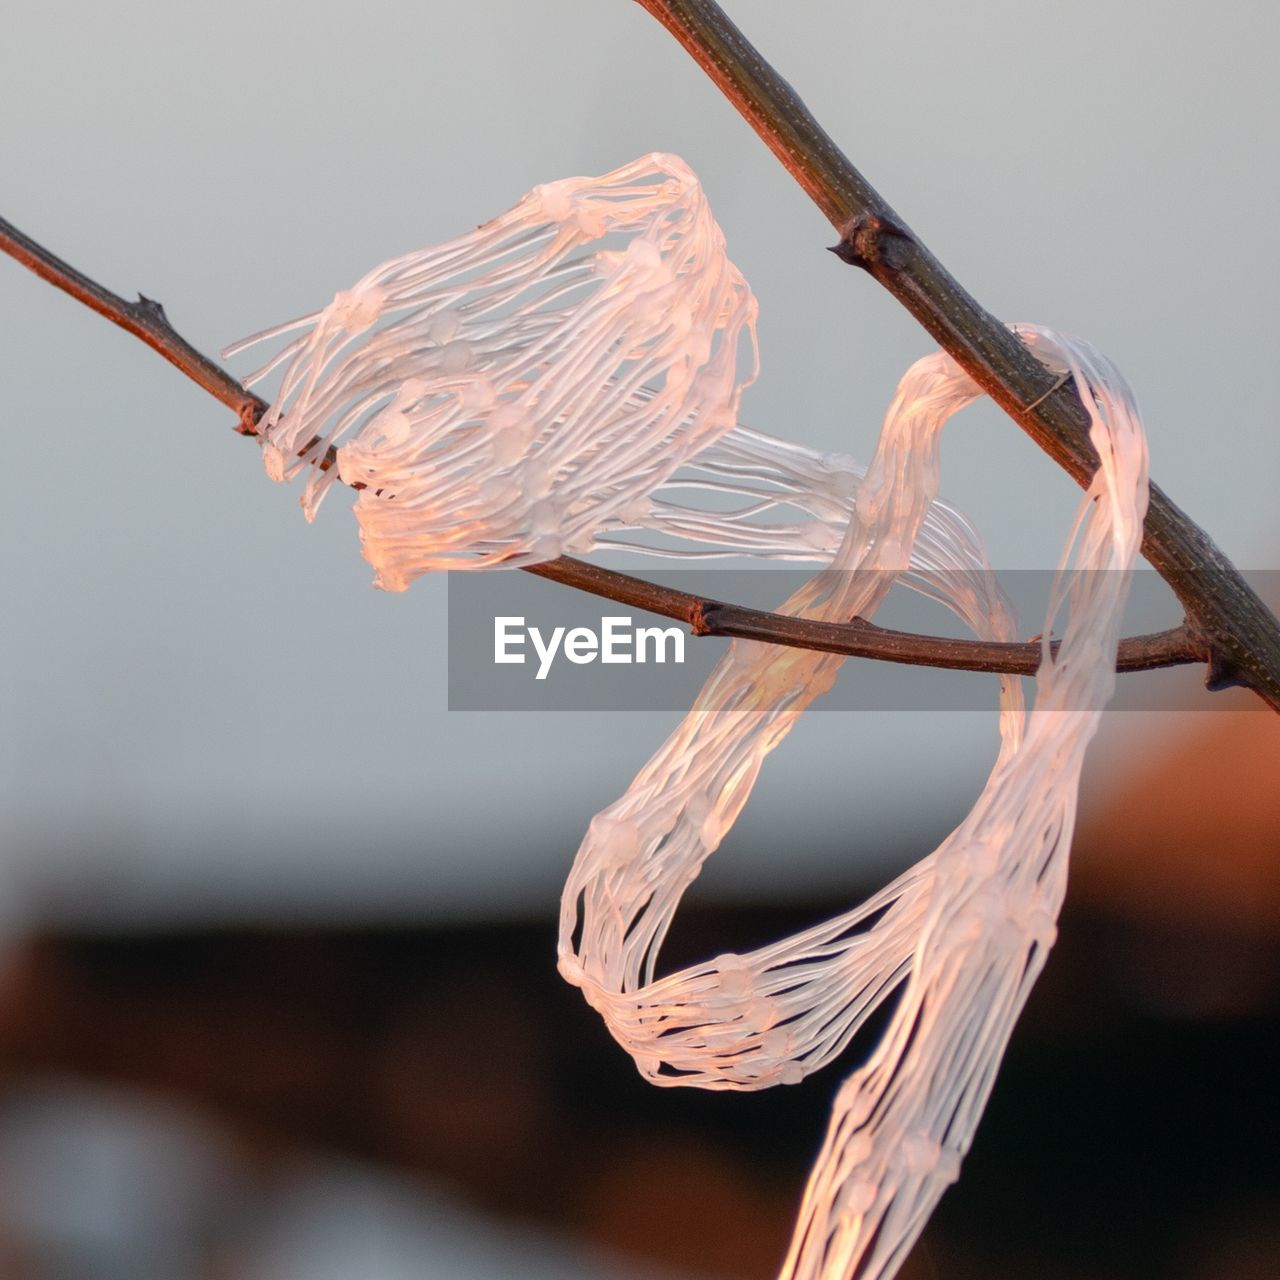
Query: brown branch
x=706, y=617
x=144, y=319
x=859, y=638
x=1234, y=627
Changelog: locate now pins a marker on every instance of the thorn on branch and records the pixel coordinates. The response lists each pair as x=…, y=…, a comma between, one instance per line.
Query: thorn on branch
x=152, y=308
x=873, y=241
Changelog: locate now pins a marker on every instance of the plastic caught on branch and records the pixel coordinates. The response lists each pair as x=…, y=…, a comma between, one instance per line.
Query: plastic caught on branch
x=794, y=503
x=484, y=395
x=643, y=851
x=958, y=939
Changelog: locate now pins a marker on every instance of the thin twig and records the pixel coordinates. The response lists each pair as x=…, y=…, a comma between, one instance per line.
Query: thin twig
x=144, y=319
x=148, y=321
x=1234, y=627
x=859, y=638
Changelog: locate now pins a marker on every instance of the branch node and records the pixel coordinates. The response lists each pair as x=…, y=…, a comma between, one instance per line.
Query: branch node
x=702, y=618
x=872, y=241
x=1222, y=673
x=153, y=309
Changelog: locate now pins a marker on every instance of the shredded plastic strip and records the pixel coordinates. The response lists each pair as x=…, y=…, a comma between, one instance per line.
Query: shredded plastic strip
x=483, y=394
x=958, y=940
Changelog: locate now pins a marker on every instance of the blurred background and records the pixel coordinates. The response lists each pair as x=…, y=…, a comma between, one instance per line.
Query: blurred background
x=277, y=986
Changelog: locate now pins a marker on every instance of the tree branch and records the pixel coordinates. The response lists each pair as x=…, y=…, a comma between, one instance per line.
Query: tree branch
x=1232, y=625
x=144, y=319
x=147, y=320
x=859, y=638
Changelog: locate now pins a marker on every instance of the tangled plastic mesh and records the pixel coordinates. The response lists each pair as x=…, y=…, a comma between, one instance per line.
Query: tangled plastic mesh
x=778, y=500
x=507, y=396
x=752, y=1021
x=958, y=939
x=485, y=394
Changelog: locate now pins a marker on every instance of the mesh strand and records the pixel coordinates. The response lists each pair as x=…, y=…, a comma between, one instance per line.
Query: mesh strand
x=961, y=936
x=483, y=394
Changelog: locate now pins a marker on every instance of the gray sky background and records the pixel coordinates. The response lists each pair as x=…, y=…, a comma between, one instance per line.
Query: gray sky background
x=208, y=711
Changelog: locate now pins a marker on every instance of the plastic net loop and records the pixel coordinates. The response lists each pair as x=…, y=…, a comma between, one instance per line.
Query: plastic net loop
x=960, y=937
x=568, y=377
x=511, y=394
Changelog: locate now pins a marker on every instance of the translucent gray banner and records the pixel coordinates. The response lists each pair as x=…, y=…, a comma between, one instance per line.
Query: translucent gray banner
x=523, y=643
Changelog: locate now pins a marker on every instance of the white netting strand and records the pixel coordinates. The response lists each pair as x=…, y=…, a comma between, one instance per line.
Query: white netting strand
x=752, y=1021
x=958, y=939
x=484, y=394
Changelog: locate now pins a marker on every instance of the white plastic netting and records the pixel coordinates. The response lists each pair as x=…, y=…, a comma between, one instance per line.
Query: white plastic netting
x=508, y=396
x=958, y=939
x=772, y=1016
x=505, y=396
